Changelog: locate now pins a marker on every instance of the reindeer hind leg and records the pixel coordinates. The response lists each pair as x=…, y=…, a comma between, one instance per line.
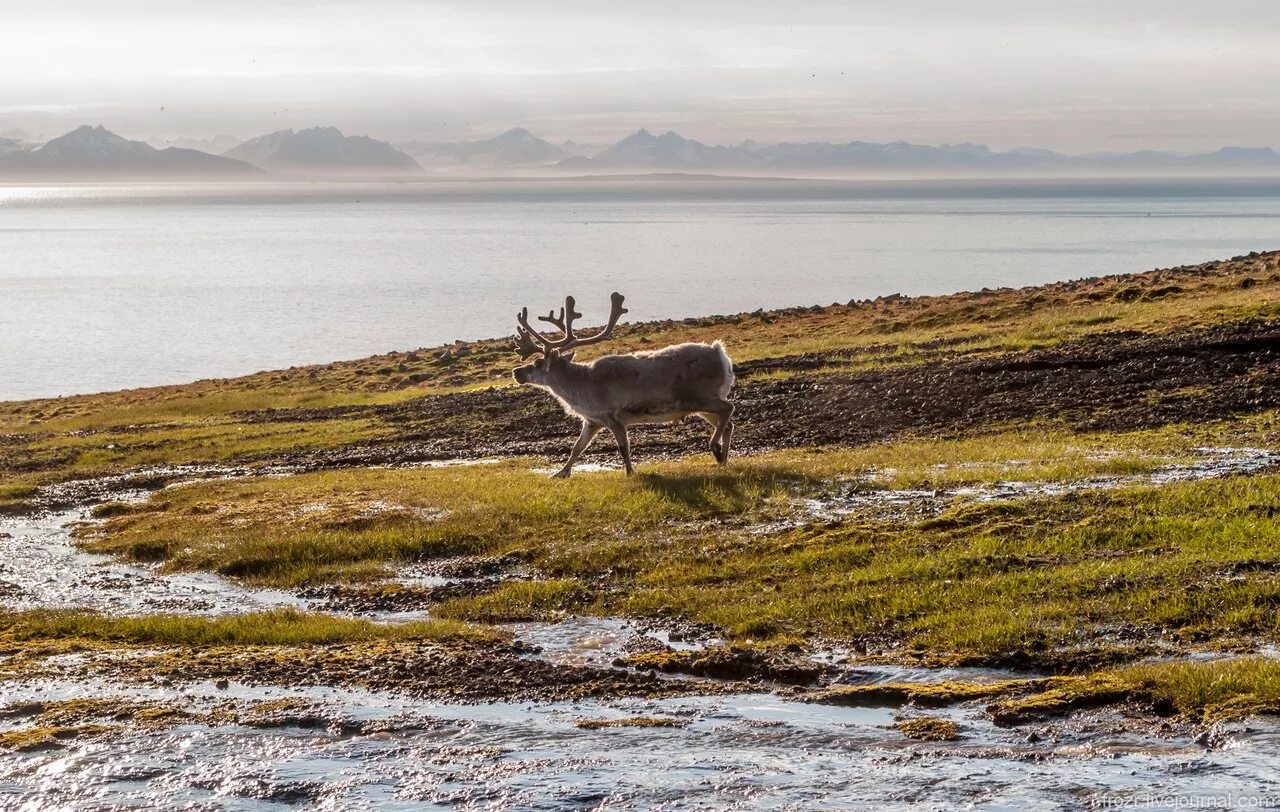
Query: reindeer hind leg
x=726, y=437
x=721, y=418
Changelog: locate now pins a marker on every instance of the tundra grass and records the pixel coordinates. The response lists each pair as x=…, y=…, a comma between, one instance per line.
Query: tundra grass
x=1032, y=583
x=46, y=737
x=54, y=723
x=930, y=728
x=349, y=524
x=629, y=721
x=335, y=525
x=520, y=601
x=1221, y=689
x=920, y=694
x=1191, y=563
x=1203, y=691
x=1212, y=691
x=82, y=455
x=16, y=493
x=282, y=627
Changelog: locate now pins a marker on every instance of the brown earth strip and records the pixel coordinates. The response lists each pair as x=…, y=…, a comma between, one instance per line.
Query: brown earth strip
x=458, y=673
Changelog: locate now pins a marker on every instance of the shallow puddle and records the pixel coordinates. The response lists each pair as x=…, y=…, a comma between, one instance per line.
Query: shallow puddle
x=596, y=641
x=864, y=499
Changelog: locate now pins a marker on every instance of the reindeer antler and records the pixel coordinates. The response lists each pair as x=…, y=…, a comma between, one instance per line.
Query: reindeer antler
x=529, y=341
x=524, y=342
x=564, y=322
x=615, y=312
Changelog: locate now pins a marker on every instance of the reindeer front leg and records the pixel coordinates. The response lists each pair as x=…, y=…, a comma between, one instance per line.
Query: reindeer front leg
x=589, y=432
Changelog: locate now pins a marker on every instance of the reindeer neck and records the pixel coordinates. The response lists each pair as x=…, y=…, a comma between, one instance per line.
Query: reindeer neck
x=571, y=373
x=564, y=380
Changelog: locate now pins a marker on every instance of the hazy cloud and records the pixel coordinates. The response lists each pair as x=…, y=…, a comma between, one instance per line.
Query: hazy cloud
x=1078, y=77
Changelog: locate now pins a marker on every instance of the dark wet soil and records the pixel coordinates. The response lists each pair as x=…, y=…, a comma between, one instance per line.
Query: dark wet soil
x=378, y=598
x=459, y=673
x=1115, y=381
x=108, y=489
x=478, y=566
x=753, y=665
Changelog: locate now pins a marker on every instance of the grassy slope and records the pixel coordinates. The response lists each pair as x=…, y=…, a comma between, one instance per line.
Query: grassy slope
x=1187, y=562
x=343, y=524
x=211, y=421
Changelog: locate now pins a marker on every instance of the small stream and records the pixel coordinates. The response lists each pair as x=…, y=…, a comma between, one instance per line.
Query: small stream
x=745, y=751
x=40, y=567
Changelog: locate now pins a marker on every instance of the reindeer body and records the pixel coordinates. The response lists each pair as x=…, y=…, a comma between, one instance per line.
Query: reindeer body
x=617, y=391
x=657, y=386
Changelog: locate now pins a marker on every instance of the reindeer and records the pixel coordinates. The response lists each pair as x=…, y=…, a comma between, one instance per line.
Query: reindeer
x=617, y=391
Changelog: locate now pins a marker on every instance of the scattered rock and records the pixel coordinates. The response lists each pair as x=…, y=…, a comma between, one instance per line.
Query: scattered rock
x=644, y=644
x=630, y=721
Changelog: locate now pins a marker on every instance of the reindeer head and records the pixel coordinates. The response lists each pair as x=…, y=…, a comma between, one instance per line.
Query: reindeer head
x=556, y=352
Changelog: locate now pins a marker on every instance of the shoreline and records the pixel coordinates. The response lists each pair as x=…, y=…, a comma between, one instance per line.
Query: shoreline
x=706, y=321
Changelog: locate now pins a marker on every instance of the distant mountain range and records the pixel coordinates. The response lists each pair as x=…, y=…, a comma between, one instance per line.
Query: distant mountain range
x=643, y=149
x=670, y=151
x=517, y=146
x=323, y=150
x=96, y=152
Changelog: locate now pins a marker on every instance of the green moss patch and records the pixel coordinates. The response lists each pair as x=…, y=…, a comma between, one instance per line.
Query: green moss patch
x=930, y=728
x=277, y=627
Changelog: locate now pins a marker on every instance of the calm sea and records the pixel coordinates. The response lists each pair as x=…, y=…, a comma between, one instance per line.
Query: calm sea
x=108, y=287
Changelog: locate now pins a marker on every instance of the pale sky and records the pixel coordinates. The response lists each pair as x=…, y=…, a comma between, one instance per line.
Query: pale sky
x=1079, y=76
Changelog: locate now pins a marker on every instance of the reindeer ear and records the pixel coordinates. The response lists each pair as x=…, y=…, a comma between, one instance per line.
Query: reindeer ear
x=568, y=357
